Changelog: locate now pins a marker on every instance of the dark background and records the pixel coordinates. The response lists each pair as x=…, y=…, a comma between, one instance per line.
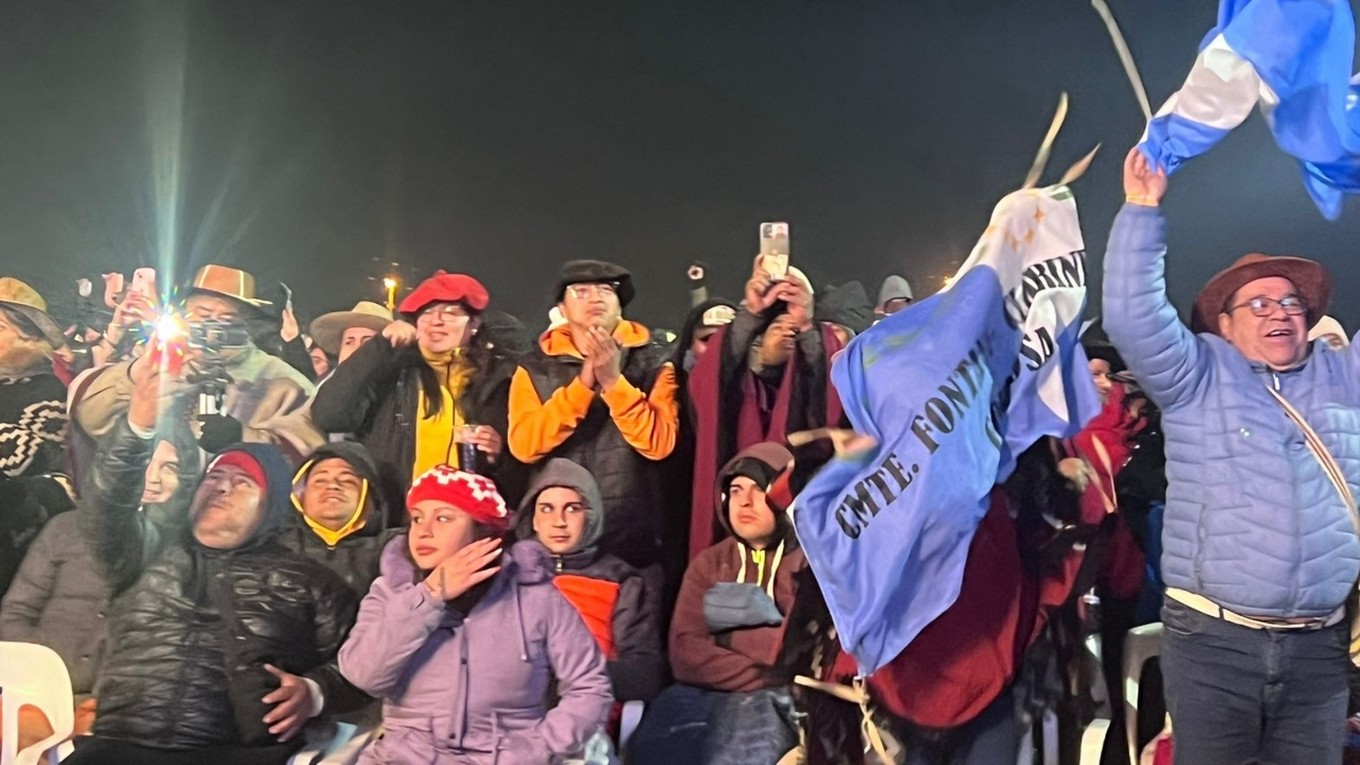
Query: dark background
x=316, y=142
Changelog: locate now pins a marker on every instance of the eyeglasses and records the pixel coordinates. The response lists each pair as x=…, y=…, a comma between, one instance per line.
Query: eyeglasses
x=444, y=312
x=603, y=289
x=1293, y=305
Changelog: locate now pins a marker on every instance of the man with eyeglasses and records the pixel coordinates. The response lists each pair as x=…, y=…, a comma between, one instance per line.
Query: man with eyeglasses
x=432, y=380
x=1260, y=552
x=600, y=392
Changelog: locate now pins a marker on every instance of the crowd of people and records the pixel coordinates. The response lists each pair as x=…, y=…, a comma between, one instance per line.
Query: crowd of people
x=484, y=539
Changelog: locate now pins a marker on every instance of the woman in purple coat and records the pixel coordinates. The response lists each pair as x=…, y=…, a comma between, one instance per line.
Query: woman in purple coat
x=462, y=643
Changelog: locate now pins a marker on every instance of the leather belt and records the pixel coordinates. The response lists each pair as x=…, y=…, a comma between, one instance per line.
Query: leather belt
x=1209, y=608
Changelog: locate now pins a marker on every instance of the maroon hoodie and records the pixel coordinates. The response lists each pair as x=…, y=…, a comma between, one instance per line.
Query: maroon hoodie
x=738, y=660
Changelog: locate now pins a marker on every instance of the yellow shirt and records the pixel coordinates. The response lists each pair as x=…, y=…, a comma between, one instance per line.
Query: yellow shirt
x=434, y=435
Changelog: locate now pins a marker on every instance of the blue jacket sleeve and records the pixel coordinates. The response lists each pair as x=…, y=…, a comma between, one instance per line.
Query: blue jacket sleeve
x=1163, y=355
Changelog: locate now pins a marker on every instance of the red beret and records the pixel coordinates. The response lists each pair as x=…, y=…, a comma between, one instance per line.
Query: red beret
x=473, y=494
x=445, y=287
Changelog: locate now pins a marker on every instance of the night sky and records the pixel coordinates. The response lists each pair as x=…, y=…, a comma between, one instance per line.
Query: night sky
x=319, y=141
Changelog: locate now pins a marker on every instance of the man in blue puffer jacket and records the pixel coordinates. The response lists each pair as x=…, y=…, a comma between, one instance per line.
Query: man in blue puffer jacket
x=1260, y=552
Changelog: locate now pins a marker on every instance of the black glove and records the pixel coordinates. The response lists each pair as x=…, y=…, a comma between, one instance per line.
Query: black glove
x=219, y=432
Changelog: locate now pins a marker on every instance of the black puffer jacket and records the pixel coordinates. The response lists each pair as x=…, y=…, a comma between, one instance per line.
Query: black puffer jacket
x=354, y=558
x=191, y=628
x=374, y=394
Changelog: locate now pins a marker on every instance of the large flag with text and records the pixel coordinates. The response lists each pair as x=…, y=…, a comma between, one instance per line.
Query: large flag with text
x=1293, y=58
x=952, y=389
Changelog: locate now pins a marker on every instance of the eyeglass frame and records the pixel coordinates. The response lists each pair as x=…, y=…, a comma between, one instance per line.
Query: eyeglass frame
x=444, y=311
x=1271, y=304
x=583, y=290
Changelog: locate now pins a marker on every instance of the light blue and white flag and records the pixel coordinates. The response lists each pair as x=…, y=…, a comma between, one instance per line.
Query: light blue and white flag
x=1293, y=58
x=952, y=388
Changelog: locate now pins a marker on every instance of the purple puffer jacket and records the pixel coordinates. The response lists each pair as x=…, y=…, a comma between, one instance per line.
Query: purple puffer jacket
x=471, y=691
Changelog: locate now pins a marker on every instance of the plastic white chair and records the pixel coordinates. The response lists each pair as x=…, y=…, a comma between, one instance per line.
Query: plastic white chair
x=628, y=722
x=1142, y=644
x=34, y=674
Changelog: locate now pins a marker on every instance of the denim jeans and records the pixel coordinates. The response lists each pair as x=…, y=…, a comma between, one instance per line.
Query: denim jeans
x=1239, y=695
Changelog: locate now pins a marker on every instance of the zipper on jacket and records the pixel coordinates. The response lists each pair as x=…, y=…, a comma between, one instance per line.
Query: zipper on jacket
x=1275, y=379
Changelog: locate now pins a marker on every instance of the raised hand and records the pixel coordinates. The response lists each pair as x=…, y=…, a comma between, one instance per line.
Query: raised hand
x=1142, y=184
x=461, y=571
x=399, y=333
x=608, y=357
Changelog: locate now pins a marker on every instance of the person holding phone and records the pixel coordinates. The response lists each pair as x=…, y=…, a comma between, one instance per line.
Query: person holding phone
x=462, y=641
x=769, y=376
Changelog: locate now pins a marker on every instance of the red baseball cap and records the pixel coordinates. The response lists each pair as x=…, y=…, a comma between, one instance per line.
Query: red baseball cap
x=445, y=287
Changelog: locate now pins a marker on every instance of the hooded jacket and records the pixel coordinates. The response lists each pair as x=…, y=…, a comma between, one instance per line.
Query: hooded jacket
x=1252, y=521
x=470, y=689
x=354, y=556
x=739, y=660
x=376, y=395
x=190, y=627
x=609, y=594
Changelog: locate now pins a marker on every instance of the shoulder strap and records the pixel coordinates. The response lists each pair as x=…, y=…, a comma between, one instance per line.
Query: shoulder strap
x=1333, y=470
x=1324, y=457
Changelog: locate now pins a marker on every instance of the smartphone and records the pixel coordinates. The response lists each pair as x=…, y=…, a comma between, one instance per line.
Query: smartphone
x=113, y=290
x=144, y=283
x=774, y=249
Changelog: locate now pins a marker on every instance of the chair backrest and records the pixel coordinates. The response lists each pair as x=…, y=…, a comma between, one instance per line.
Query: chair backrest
x=33, y=674
x=1140, y=645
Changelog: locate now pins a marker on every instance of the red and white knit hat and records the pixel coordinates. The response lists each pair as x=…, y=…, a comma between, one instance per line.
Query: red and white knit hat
x=473, y=494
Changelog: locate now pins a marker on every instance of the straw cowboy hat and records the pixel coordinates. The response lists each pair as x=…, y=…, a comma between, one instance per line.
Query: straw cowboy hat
x=228, y=282
x=1308, y=277
x=27, y=302
x=328, y=329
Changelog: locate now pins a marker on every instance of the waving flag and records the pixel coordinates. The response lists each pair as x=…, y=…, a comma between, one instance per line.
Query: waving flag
x=1292, y=57
x=952, y=388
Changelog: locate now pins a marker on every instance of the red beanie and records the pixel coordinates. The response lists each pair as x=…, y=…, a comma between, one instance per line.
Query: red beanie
x=473, y=494
x=243, y=461
x=445, y=287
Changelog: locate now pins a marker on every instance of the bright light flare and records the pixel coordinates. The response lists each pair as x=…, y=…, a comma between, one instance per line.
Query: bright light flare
x=389, y=282
x=170, y=329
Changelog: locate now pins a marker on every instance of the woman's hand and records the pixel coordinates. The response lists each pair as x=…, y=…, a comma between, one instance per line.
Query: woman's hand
x=487, y=440
x=463, y=570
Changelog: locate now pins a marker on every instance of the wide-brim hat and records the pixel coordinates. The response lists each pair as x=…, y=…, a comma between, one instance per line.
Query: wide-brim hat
x=328, y=329
x=27, y=302
x=1309, y=277
x=228, y=282
x=595, y=272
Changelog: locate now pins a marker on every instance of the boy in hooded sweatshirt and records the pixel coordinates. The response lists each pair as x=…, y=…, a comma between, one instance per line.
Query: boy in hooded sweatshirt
x=341, y=519
x=563, y=511
x=732, y=706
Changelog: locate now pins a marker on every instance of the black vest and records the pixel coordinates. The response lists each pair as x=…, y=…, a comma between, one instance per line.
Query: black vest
x=630, y=484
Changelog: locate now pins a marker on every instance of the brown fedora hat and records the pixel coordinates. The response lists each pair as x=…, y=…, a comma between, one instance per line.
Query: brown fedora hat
x=1308, y=276
x=228, y=282
x=26, y=301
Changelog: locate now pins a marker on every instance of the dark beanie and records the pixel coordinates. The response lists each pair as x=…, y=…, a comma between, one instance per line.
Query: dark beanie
x=752, y=468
